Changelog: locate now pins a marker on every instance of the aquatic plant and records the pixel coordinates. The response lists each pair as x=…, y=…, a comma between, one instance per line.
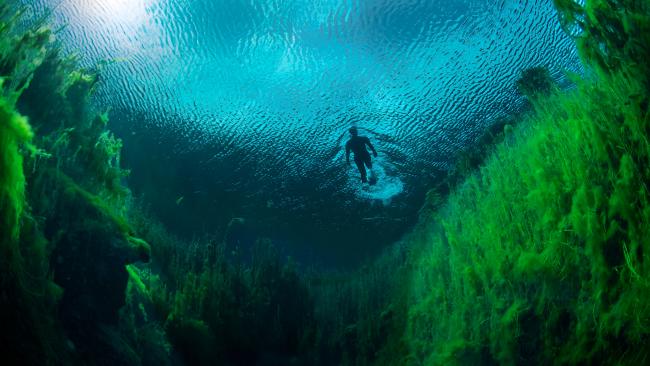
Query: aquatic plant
x=217, y=311
x=219, y=305
x=541, y=255
x=535, y=81
x=62, y=207
x=358, y=313
x=28, y=296
x=14, y=131
x=611, y=35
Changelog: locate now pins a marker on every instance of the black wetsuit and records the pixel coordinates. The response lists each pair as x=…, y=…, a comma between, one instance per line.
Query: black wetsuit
x=361, y=156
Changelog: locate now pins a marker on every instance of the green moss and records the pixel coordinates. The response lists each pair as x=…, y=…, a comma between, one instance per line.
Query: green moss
x=554, y=223
x=136, y=280
x=541, y=255
x=194, y=340
x=141, y=247
x=14, y=131
x=60, y=191
x=535, y=82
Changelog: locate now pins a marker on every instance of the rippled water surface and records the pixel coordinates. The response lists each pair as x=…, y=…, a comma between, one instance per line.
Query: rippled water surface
x=234, y=108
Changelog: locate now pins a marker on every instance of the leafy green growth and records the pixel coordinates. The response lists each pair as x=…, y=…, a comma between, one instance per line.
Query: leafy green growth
x=535, y=81
x=14, y=131
x=611, y=35
x=219, y=312
x=28, y=297
x=540, y=257
x=217, y=306
x=62, y=206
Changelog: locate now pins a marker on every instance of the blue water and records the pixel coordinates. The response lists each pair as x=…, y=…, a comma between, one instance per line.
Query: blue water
x=241, y=108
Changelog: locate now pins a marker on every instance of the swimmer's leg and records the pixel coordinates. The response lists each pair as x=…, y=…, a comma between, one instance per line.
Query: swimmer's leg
x=373, y=177
x=362, y=169
x=368, y=162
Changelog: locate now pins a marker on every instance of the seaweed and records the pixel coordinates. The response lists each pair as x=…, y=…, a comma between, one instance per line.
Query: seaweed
x=62, y=202
x=539, y=256
x=535, y=81
x=215, y=311
x=28, y=296
x=611, y=35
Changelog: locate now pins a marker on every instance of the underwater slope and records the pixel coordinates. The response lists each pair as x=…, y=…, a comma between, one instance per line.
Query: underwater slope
x=65, y=239
x=70, y=291
x=242, y=108
x=541, y=256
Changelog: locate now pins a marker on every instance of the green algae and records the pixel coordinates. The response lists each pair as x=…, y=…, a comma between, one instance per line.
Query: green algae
x=548, y=237
x=245, y=311
x=14, y=131
x=535, y=81
x=540, y=256
x=28, y=296
x=611, y=35
x=59, y=192
x=71, y=222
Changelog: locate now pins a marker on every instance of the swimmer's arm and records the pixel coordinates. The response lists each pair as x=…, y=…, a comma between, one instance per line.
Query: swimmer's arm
x=371, y=147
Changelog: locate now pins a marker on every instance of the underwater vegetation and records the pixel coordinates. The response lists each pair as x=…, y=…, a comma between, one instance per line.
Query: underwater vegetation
x=536, y=253
x=71, y=235
x=218, y=305
x=535, y=81
x=541, y=255
x=74, y=285
x=64, y=237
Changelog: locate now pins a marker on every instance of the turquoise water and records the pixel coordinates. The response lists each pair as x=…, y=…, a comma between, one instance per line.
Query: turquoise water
x=174, y=188
x=242, y=108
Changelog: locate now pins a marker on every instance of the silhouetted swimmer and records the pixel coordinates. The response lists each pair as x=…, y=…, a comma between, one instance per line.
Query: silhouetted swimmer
x=357, y=144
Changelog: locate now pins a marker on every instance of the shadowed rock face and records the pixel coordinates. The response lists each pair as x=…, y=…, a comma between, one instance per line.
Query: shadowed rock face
x=242, y=109
x=88, y=262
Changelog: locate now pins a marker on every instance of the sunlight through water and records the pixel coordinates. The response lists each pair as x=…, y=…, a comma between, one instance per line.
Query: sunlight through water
x=235, y=104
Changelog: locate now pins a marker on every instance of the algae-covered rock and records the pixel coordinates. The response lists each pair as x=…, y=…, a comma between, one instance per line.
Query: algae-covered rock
x=90, y=253
x=535, y=81
x=194, y=340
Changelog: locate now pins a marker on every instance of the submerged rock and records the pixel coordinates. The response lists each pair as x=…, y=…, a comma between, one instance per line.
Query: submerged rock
x=89, y=259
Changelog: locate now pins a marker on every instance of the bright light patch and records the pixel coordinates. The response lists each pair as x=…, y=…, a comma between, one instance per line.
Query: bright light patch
x=120, y=28
x=130, y=13
x=125, y=10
